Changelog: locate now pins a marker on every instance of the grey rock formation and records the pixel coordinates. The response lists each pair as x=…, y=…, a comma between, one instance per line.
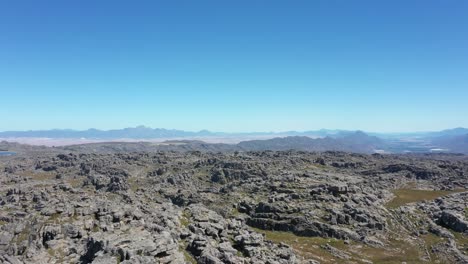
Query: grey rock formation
x=59, y=206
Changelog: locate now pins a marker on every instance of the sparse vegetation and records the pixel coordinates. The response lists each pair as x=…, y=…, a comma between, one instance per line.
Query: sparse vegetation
x=462, y=241
x=55, y=218
x=184, y=221
x=309, y=247
x=396, y=251
x=38, y=175
x=75, y=182
x=134, y=183
x=273, y=190
x=187, y=256
x=96, y=228
x=405, y=196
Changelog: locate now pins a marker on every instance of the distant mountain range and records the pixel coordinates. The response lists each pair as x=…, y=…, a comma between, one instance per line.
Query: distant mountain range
x=142, y=132
x=450, y=140
x=455, y=143
x=350, y=142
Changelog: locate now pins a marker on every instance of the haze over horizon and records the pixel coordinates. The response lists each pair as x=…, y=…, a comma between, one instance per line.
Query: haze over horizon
x=240, y=66
x=237, y=132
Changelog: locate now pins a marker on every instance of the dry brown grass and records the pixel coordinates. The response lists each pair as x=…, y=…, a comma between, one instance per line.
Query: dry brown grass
x=308, y=247
x=395, y=251
x=75, y=182
x=405, y=196
x=38, y=175
x=462, y=241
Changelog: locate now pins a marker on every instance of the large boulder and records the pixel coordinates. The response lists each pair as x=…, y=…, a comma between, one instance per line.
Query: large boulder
x=453, y=220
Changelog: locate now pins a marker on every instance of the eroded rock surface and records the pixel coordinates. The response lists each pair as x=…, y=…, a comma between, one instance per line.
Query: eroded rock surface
x=201, y=207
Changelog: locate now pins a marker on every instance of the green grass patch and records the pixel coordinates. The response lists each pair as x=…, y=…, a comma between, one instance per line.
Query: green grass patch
x=234, y=212
x=75, y=182
x=96, y=228
x=23, y=236
x=38, y=175
x=57, y=254
x=189, y=258
x=405, y=196
x=135, y=183
x=185, y=218
x=395, y=250
x=462, y=241
x=54, y=218
x=431, y=240
x=184, y=221
x=308, y=247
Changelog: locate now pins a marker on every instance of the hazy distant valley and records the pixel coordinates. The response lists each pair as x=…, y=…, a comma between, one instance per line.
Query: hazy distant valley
x=447, y=141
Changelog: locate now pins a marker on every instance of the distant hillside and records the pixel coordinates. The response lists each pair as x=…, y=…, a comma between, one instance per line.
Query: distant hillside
x=143, y=132
x=459, y=131
x=357, y=142
x=140, y=132
x=450, y=140
x=350, y=142
x=457, y=143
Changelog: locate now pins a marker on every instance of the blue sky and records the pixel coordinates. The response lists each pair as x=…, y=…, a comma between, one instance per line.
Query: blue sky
x=234, y=65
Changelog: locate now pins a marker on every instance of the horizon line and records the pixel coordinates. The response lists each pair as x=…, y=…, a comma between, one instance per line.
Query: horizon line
x=239, y=132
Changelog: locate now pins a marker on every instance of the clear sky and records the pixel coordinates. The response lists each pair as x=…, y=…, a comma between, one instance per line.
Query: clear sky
x=385, y=66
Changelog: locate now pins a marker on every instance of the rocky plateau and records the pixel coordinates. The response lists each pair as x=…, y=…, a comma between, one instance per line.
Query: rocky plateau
x=65, y=205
